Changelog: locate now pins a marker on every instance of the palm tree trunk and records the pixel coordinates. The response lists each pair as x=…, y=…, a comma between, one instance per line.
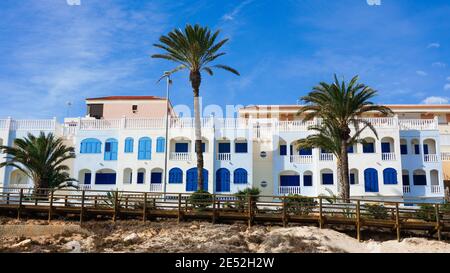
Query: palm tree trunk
x=195, y=79
x=344, y=172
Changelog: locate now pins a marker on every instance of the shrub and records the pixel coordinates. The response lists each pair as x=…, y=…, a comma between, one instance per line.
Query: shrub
x=427, y=212
x=243, y=195
x=200, y=199
x=300, y=204
x=377, y=211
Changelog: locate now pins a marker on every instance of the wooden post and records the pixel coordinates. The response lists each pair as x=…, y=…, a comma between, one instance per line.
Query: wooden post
x=397, y=221
x=320, y=213
x=82, y=207
x=144, y=210
x=179, y=208
x=284, y=212
x=250, y=212
x=116, y=205
x=214, y=209
x=50, y=208
x=35, y=199
x=95, y=201
x=65, y=201
x=20, y=204
x=438, y=222
x=126, y=202
x=186, y=204
x=7, y=198
x=358, y=220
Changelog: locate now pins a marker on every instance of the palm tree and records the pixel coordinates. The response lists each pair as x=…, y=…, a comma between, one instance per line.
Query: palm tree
x=340, y=106
x=41, y=159
x=194, y=49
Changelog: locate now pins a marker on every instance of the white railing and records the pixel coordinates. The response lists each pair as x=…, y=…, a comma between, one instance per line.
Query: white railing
x=301, y=159
x=224, y=156
x=3, y=123
x=295, y=125
x=435, y=189
x=289, y=190
x=154, y=187
x=431, y=158
x=99, y=124
x=35, y=124
x=326, y=157
x=231, y=123
x=388, y=156
x=381, y=122
x=445, y=156
x=145, y=123
x=84, y=186
x=406, y=189
x=418, y=124
x=180, y=156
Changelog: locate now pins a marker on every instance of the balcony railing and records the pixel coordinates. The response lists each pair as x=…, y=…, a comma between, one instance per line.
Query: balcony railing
x=406, y=189
x=224, y=156
x=431, y=158
x=445, y=156
x=388, y=156
x=155, y=187
x=180, y=156
x=436, y=189
x=289, y=190
x=301, y=159
x=418, y=124
x=326, y=157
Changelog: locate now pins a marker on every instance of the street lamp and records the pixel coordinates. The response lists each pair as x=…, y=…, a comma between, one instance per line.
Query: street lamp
x=168, y=83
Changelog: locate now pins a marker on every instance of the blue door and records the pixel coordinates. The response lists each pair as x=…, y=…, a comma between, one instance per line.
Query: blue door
x=191, y=180
x=385, y=147
x=289, y=180
x=371, y=180
x=222, y=180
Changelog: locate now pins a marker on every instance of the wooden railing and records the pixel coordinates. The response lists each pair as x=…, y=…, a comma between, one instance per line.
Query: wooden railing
x=253, y=209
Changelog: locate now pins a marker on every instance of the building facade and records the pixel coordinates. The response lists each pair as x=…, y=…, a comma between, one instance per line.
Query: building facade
x=407, y=160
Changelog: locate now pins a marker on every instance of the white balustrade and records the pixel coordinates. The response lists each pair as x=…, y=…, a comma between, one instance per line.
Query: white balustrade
x=431, y=158
x=445, y=156
x=418, y=124
x=224, y=156
x=99, y=124
x=435, y=189
x=180, y=156
x=145, y=123
x=326, y=157
x=84, y=186
x=289, y=190
x=406, y=189
x=381, y=122
x=33, y=124
x=388, y=156
x=301, y=159
x=155, y=187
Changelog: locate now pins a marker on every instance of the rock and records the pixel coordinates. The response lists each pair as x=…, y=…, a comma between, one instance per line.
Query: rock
x=23, y=243
x=194, y=227
x=131, y=238
x=73, y=246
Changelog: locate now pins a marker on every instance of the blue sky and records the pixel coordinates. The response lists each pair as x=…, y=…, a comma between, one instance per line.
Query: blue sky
x=53, y=52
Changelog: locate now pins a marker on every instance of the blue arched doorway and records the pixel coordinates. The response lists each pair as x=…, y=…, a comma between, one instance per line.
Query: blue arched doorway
x=371, y=180
x=223, y=180
x=191, y=179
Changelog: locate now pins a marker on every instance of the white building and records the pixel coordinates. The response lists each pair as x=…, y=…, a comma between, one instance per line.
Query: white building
x=255, y=150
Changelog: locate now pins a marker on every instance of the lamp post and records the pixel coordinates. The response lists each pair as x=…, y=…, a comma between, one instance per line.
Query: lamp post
x=168, y=83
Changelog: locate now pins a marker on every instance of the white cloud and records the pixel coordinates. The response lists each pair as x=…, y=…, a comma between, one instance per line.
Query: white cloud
x=232, y=15
x=421, y=73
x=439, y=64
x=434, y=45
x=447, y=86
x=435, y=100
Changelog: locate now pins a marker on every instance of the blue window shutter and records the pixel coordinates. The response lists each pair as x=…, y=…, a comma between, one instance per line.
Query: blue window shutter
x=283, y=150
x=156, y=178
x=240, y=148
x=405, y=179
x=390, y=176
x=352, y=179
x=420, y=180
x=87, y=178
x=385, y=147
x=129, y=145
x=306, y=151
x=371, y=180
x=240, y=176
x=140, y=178
x=404, y=149
x=160, y=145
x=289, y=180
x=416, y=149
x=368, y=148
x=224, y=148
x=307, y=180
x=145, y=146
x=425, y=149
x=90, y=146
x=350, y=149
x=327, y=178
x=175, y=176
x=105, y=178
x=181, y=147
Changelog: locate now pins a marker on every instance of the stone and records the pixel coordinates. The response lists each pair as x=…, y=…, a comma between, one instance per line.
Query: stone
x=131, y=238
x=23, y=243
x=73, y=246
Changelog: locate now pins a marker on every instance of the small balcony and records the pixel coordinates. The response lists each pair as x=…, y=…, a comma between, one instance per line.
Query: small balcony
x=156, y=187
x=388, y=156
x=431, y=158
x=326, y=157
x=301, y=159
x=180, y=156
x=224, y=156
x=285, y=190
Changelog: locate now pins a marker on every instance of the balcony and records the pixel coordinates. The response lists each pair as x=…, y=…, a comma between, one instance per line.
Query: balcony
x=180, y=156
x=224, y=157
x=301, y=159
x=431, y=158
x=445, y=156
x=412, y=190
x=388, y=156
x=326, y=157
x=285, y=190
x=406, y=189
x=155, y=187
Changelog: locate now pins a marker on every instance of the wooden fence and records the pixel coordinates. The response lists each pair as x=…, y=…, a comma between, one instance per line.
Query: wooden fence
x=284, y=210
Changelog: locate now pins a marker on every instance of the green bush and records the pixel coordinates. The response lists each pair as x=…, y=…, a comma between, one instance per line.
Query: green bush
x=243, y=195
x=377, y=211
x=427, y=212
x=201, y=199
x=300, y=204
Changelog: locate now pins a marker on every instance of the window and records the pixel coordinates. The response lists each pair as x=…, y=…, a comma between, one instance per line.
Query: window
x=327, y=179
x=111, y=149
x=350, y=149
x=181, y=147
x=224, y=148
x=105, y=178
x=134, y=108
x=425, y=149
x=416, y=149
x=385, y=147
x=352, y=179
x=160, y=145
x=405, y=179
x=90, y=146
x=175, y=176
x=390, y=176
x=419, y=179
x=283, y=150
x=240, y=148
x=307, y=180
x=289, y=180
x=368, y=148
x=404, y=149
x=145, y=149
x=129, y=145
x=305, y=151
x=140, y=177
x=240, y=176
x=156, y=178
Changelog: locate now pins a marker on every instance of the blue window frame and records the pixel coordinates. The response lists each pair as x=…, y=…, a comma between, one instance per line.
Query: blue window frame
x=241, y=148
x=111, y=147
x=289, y=180
x=305, y=151
x=404, y=149
x=224, y=148
x=327, y=179
x=352, y=179
x=156, y=178
x=368, y=148
x=176, y=176
x=140, y=178
x=420, y=180
x=390, y=176
x=160, y=145
x=222, y=180
x=181, y=147
x=416, y=149
x=405, y=179
x=307, y=180
x=385, y=147
x=350, y=149
x=129, y=142
x=91, y=146
x=283, y=150
x=87, y=178
x=145, y=149
x=105, y=178
x=240, y=176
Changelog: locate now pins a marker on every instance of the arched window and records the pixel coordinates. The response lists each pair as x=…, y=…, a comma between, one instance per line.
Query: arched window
x=91, y=146
x=145, y=148
x=111, y=149
x=160, y=143
x=390, y=176
x=176, y=176
x=240, y=176
x=129, y=143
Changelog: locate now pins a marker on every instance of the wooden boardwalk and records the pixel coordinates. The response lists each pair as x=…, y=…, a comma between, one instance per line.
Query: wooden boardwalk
x=282, y=210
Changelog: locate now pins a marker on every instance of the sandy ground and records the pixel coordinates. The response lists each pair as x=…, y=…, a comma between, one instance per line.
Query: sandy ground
x=168, y=236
